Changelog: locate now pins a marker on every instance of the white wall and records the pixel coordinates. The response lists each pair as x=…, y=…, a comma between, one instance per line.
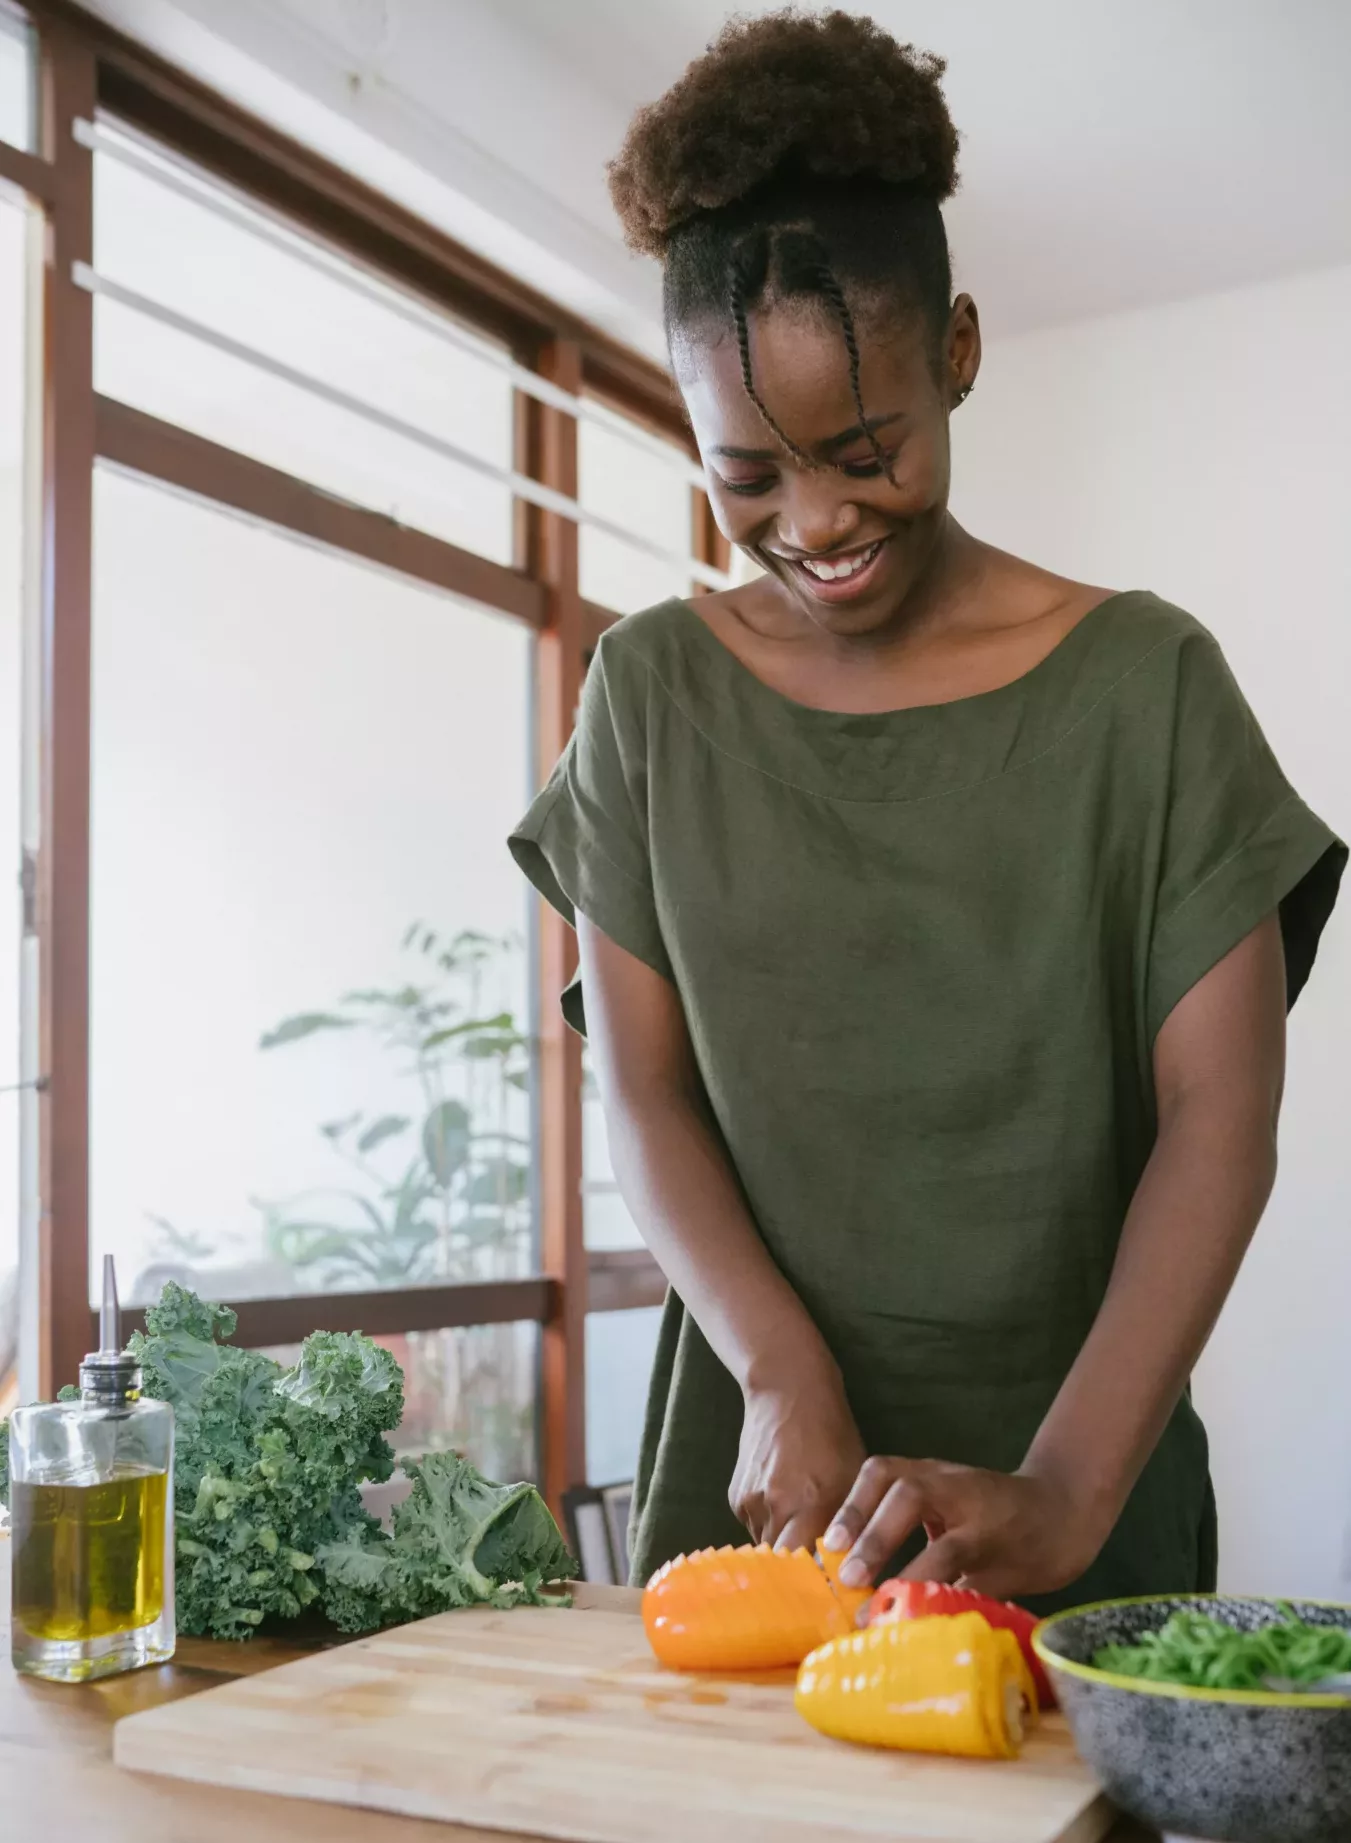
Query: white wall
x=1204, y=451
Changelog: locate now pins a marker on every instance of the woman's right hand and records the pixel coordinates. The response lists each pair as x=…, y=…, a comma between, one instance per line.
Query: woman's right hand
x=800, y=1454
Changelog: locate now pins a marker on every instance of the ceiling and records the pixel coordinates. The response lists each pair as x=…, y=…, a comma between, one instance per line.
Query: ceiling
x=1113, y=155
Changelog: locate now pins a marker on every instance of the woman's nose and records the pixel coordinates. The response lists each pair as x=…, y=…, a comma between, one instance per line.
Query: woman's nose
x=816, y=513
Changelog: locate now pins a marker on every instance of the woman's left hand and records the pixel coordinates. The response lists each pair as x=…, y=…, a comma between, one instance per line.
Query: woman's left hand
x=1005, y=1534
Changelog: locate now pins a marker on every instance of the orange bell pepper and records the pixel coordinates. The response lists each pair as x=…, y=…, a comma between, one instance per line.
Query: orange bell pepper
x=745, y=1608
x=939, y=1685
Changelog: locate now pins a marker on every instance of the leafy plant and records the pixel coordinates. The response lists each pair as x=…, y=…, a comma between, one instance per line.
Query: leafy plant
x=460, y=1188
x=172, y=1243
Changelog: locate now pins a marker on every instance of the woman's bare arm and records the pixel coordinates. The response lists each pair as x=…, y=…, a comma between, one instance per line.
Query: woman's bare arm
x=1219, y=1064
x=800, y=1449
x=1219, y=1072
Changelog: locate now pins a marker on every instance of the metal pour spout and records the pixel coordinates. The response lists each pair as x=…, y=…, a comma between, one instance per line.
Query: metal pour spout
x=110, y=1312
x=110, y=1376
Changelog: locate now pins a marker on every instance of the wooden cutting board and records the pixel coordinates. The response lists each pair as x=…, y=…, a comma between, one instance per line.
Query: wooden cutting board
x=561, y=1724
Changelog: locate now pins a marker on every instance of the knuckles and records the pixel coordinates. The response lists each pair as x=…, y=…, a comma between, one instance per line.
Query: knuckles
x=878, y=1472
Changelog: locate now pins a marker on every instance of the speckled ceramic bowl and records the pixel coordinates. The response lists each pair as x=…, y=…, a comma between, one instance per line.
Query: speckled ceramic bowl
x=1230, y=1765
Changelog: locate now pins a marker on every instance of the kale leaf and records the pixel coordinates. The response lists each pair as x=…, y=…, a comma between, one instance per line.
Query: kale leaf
x=459, y=1540
x=267, y=1462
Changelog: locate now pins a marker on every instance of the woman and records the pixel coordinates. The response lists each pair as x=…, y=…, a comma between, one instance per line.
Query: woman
x=938, y=916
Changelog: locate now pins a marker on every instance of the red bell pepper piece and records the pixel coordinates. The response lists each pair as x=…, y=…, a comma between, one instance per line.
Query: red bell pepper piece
x=927, y=1599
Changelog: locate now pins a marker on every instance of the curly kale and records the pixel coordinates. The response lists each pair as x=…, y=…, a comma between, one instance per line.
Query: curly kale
x=458, y=1540
x=268, y=1514
x=267, y=1462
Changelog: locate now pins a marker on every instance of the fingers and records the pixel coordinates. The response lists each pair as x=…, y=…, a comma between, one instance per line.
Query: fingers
x=803, y=1530
x=784, y=1520
x=858, y=1509
x=775, y=1520
x=888, y=1503
x=749, y=1510
x=782, y=1527
x=896, y=1519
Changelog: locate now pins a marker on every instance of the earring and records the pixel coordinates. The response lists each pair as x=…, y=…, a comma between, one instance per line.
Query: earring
x=964, y=393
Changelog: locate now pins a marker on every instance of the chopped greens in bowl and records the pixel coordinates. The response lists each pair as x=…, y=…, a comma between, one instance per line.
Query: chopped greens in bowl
x=1174, y=1704
x=1289, y=1656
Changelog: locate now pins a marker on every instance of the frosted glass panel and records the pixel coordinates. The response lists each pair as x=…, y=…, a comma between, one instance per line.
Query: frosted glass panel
x=619, y=1350
x=606, y=1221
x=16, y=79
x=637, y=491
x=285, y=298
x=309, y=1059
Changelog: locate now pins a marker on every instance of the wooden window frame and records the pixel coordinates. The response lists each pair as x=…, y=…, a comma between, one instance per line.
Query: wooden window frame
x=86, y=66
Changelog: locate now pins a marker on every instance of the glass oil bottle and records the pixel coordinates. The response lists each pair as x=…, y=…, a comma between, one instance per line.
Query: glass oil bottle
x=91, y=1521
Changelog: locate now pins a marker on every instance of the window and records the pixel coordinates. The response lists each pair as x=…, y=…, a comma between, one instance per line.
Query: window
x=322, y=684
x=310, y=1062
x=641, y=485
x=619, y=1350
x=643, y=488
x=470, y=1390
x=17, y=111
x=608, y=1225
x=219, y=318
x=620, y=1345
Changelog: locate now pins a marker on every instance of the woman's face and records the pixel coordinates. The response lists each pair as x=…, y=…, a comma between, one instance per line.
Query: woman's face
x=847, y=543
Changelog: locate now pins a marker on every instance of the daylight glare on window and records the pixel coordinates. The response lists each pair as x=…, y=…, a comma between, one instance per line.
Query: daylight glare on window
x=310, y=1060
x=17, y=112
x=290, y=310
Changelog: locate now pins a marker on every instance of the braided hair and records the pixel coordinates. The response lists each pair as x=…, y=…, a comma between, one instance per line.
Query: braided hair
x=803, y=157
x=746, y=269
x=804, y=261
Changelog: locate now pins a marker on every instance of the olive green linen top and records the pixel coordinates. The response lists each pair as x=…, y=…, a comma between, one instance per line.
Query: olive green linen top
x=923, y=956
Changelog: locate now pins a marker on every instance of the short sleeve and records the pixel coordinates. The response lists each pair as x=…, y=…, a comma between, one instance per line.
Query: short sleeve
x=1238, y=843
x=584, y=842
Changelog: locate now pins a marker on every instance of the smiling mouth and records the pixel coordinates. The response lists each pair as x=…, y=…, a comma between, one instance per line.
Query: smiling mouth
x=835, y=579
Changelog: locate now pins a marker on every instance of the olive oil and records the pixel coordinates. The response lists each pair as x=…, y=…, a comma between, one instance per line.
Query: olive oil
x=91, y=1486
x=89, y=1558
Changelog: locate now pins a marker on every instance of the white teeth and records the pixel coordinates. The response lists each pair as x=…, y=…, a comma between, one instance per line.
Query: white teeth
x=832, y=572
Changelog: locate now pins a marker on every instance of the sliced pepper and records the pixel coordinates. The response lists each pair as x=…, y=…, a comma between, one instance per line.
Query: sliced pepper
x=923, y=1599
x=946, y=1684
x=852, y=1599
x=744, y=1609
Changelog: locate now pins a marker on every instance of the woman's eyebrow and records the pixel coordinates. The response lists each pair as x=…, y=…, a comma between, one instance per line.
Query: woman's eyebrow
x=859, y=430
x=828, y=446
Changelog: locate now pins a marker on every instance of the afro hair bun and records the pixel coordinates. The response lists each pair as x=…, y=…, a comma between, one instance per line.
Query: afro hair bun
x=829, y=95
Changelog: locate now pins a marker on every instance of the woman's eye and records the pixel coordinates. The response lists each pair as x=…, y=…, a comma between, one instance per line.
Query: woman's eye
x=761, y=484
x=866, y=470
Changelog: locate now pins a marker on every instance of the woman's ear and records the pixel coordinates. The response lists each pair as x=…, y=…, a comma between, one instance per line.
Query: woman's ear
x=961, y=352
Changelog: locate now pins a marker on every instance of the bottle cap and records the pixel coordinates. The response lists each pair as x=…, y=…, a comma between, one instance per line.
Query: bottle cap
x=110, y=1375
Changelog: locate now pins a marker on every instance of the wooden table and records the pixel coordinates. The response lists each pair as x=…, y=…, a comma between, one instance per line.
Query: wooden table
x=57, y=1775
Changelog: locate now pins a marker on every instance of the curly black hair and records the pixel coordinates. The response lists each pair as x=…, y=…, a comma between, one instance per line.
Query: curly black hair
x=805, y=154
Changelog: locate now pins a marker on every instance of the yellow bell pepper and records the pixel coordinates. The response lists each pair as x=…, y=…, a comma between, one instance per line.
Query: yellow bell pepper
x=941, y=1685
